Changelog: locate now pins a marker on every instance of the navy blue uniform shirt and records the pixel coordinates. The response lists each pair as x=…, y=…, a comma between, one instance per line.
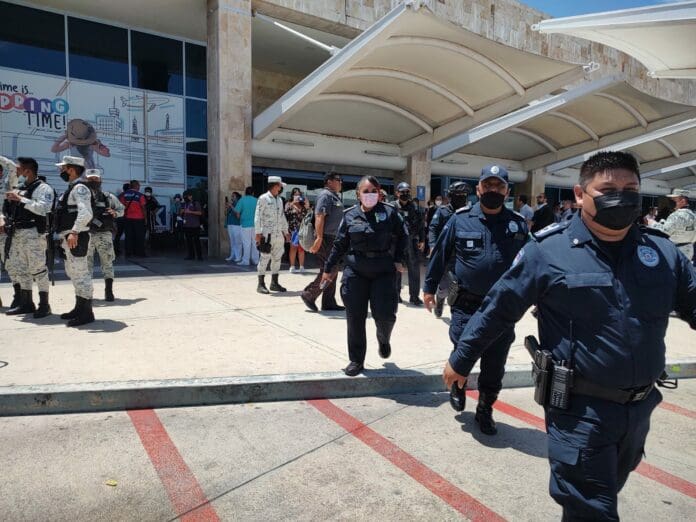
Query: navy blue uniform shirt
x=484, y=245
x=372, y=241
x=438, y=222
x=413, y=218
x=614, y=313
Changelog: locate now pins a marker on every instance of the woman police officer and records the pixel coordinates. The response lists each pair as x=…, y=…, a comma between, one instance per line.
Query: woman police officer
x=372, y=237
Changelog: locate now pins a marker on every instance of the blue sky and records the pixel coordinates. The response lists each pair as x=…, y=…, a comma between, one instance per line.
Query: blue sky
x=558, y=8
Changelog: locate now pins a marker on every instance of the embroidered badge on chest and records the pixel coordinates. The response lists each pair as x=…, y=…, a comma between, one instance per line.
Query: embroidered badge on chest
x=380, y=216
x=512, y=226
x=648, y=256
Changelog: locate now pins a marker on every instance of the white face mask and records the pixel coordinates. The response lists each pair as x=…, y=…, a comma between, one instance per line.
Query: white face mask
x=438, y=202
x=369, y=199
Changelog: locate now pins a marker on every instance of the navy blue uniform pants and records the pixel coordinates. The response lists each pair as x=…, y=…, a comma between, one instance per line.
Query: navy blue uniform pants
x=359, y=290
x=493, y=359
x=593, y=446
x=412, y=262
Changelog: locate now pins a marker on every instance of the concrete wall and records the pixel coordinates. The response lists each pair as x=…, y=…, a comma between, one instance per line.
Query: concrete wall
x=268, y=86
x=505, y=21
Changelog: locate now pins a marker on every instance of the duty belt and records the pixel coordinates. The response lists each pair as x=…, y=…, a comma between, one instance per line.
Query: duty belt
x=25, y=225
x=466, y=298
x=591, y=389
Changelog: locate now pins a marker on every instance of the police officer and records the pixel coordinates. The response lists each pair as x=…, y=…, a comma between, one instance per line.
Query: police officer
x=271, y=234
x=107, y=208
x=413, y=219
x=458, y=195
x=8, y=182
x=604, y=288
x=485, y=238
x=372, y=238
x=681, y=224
x=73, y=216
x=26, y=259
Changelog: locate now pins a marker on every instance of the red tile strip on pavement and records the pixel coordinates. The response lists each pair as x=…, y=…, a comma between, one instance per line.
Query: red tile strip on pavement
x=678, y=409
x=647, y=470
x=455, y=497
x=185, y=494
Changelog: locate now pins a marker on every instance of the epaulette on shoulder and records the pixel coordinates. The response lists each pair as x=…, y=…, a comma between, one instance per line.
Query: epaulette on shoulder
x=349, y=208
x=463, y=209
x=552, y=229
x=517, y=214
x=653, y=231
x=388, y=204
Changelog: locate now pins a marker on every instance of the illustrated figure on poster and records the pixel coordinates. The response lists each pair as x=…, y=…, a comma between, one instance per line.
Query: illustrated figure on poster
x=81, y=136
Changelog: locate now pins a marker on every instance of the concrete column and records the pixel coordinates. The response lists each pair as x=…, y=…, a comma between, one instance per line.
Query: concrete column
x=229, y=111
x=533, y=186
x=418, y=172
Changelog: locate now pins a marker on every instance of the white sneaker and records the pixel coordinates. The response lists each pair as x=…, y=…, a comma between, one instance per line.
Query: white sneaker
x=301, y=270
x=292, y=270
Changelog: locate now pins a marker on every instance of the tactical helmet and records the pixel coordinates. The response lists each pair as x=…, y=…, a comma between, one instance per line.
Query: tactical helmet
x=403, y=186
x=458, y=188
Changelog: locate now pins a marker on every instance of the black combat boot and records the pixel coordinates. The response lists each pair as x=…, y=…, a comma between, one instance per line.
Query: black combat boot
x=44, y=308
x=384, y=330
x=16, y=299
x=26, y=304
x=84, y=313
x=72, y=313
x=261, y=288
x=439, y=305
x=484, y=413
x=275, y=285
x=109, y=290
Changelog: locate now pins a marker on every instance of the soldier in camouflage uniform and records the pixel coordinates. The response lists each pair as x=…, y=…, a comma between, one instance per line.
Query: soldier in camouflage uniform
x=73, y=217
x=680, y=225
x=27, y=209
x=271, y=227
x=8, y=182
x=106, y=209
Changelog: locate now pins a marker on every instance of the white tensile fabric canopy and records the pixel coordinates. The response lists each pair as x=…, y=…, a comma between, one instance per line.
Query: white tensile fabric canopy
x=414, y=80
x=662, y=37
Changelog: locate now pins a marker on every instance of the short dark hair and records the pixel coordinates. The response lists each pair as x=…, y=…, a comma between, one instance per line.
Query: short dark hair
x=368, y=179
x=235, y=193
x=126, y=186
x=607, y=161
x=134, y=182
x=249, y=191
x=29, y=163
x=331, y=176
x=523, y=198
x=148, y=188
x=79, y=168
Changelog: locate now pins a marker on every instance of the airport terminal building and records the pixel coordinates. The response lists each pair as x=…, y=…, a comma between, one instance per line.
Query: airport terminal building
x=219, y=94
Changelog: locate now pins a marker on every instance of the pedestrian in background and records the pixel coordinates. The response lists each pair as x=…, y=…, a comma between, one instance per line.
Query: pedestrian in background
x=246, y=208
x=120, y=224
x=191, y=211
x=135, y=213
x=413, y=219
x=295, y=211
x=271, y=234
x=328, y=213
x=372, y=239
x=543, y=215
x=234, y=228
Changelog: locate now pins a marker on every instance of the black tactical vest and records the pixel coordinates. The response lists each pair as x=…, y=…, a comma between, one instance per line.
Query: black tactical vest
x=23, y=218
x=66, y=215
x=102, y=220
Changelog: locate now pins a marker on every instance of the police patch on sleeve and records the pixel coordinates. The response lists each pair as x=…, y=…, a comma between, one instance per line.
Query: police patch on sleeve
x=513, y=227
x=518, y=258
x=648, y=256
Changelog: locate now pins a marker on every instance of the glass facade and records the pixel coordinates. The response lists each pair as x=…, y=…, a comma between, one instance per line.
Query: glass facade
x=97, y=52
x=157, y=63
x=32, y=39
x=117, y=97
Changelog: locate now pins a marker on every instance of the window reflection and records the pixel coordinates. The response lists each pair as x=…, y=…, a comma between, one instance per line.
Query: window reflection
x=157, y=63
x=98, y=52
x=196, y=84
x=32, y=40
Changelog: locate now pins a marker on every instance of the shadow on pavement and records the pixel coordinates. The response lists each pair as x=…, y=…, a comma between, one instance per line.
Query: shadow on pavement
x=103, y=325
x=118, y=302
x=51, y=320
x=290, y=293
x=529, y=441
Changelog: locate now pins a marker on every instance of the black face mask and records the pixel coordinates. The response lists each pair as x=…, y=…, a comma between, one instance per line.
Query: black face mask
x=458, y=201
x=64, y=175
x=94, y=185
x=492, y=200
x=405, y=196
x=617, y=210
